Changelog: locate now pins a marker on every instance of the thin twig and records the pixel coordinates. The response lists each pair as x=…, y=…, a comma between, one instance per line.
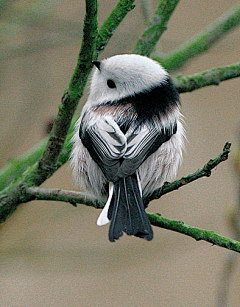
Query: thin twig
x=156, y=27
x=78, y=197
x=36, y=193
x=196, y=233
x=203, y=41
x=147, y=10
x=205, y=171
x=205, y=78
x=112, y=22
x=72, y=197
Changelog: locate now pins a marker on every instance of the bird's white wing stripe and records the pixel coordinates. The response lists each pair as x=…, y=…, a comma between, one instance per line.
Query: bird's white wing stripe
x=145, y=137
x=109, y=143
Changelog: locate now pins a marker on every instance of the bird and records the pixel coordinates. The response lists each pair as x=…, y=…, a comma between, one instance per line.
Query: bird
x=128, y=140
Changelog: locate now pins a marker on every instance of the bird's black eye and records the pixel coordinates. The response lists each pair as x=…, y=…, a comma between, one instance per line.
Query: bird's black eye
x=111, y=83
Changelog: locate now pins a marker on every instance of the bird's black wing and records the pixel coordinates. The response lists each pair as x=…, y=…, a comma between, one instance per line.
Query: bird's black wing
x=106, y=144
x=141, y=143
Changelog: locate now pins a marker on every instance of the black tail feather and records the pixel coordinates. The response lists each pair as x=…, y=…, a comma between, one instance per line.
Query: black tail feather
x=126, y=211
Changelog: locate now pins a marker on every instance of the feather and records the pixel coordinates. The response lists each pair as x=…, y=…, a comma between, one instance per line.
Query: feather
x=106, y=144
x=141, y=143
x=126, y=211
x=103, y=217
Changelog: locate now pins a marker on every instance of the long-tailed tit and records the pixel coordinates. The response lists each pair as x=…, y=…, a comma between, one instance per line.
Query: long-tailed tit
x=128, y=140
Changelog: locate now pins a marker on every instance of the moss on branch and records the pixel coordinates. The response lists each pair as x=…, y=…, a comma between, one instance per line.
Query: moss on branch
x=156, y=27
x=196, y=233
x=36, y=193
x=112, y=22
x=201, y=42
x=48, y=162
x=205, y=171
x=36, y=174
x=208, y=77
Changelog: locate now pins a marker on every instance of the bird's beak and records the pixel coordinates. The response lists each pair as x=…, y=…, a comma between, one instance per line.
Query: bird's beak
x=97, y=64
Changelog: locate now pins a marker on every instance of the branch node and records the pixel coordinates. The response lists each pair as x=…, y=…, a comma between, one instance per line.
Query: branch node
x=73, y=203
x=181, y=223
x=208, y=173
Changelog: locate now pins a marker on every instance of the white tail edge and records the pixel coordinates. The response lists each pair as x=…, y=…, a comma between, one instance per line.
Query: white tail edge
x=103, y=217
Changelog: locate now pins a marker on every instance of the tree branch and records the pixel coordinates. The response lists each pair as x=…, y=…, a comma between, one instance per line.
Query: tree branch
x=205, y=78
x=78, y=197
x=156, y=27
x=48, y=163
x=72, y=197
x=112, y=22
x=201, y=42
x=196, y=233
x=11, y=196
x=205, y=171
x=155, y=219
x=36, y=193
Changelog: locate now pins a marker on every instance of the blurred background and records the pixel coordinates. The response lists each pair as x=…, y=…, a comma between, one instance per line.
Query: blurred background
x=53, y=254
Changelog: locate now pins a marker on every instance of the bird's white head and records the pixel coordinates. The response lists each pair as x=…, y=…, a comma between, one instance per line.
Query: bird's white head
x=124, y=75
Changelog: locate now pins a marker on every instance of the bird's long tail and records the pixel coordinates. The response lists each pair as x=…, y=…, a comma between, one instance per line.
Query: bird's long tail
x=126, y=210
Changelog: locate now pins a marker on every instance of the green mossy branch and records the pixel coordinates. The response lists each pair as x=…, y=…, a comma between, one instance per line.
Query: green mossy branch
x=196, y=233
x=155, y=218
x=11, y=196
x=48, y=162
x=36, y=193
x=16, y=166
x=205, y=171
x=201, y=42
x=112, y=22
x=156, y=27
x=205, y=78
x=75, y=197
